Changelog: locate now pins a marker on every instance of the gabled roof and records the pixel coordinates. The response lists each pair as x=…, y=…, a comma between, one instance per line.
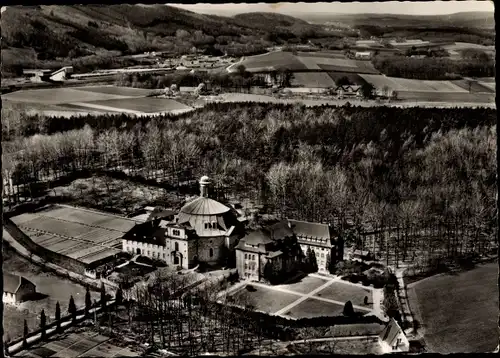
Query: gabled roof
x=278, y=231
x=390, y=332
x=258, y=237
x=308, y=229
x=11, y=282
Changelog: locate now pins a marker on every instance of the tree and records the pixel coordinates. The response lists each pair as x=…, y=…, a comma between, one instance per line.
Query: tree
x=343, y=81
x=348, y=309
x=43, y=322
x=72, y=308
x=103, y=297
x=88, y=301
x=119, y=296
x=58, y=316
x=367, y=90
x=25, y=334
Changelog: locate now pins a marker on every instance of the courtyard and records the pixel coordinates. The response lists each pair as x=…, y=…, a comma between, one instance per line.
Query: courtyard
x=311, y=296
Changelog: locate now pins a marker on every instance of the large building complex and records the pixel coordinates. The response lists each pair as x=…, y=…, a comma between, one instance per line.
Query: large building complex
x=204, y=231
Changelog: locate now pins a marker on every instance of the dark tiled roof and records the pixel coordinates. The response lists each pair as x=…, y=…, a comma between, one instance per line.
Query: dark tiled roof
x=148, y=232
x=279, y=231
x=11, y=282
x=274, y=254
x=308, y=229
x=258, y=237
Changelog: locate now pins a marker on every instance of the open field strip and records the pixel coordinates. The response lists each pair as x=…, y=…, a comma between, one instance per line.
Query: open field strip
x=313, y=79
x=114, y=90
x=58, y=96
x=105, y=108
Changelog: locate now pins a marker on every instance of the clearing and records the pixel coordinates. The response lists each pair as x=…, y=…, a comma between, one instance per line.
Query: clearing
x=114, y=90
x=459, y=313
x=271, y=60
x=264, y=299
x=344, y=292
x=122, y=196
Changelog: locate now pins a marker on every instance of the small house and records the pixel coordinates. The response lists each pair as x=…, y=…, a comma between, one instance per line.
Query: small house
x=393, y=339
x=16, y=288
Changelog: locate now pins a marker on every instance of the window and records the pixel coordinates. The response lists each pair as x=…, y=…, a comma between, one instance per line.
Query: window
x=176, y=246
x=246, y=256
x=214, y=225
x=322, y=255
x=148, y=253
x=176, y=233
x=164, y=256
x=211, y=251
x=246, y=266
x=253, y=257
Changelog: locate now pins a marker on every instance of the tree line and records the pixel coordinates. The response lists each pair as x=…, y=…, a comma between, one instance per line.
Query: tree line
x=406, y=183
x=433, y=68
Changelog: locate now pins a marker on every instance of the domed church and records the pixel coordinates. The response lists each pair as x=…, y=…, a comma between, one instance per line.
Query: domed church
x=204, y=230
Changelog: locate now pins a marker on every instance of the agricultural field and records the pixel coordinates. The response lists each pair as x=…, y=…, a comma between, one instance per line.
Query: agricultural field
x=409, y=85
x=323, y=54
x=79, y=343
x=51, y=288
x=312, y=80
x=448, y=97
x=314, y=63
x=141, y=105
x=347, y=347
x=271, y=60
x=344, y=292
x=475, y=87
x=90, y=100
x=458, y=313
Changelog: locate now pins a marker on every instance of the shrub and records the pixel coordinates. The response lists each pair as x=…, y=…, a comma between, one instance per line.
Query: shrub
x=348, y=309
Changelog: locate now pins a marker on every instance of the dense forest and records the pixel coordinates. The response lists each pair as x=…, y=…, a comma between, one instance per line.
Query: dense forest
x=434, y=68
x=411, y=173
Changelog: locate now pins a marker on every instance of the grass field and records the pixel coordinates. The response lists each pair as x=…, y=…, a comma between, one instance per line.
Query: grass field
x=324, y=54
x=345, y=292
x=114, y=90
x=449, y=97
x=312, y=80
x=348, y=347
x=265, y=299
x=305, y=285
x=141, y=104
x=314, y=308
x=459, y=313
x=51, y=287
x=57, y=96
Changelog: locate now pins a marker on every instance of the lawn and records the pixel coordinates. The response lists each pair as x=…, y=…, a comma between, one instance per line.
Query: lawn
x=348, y=347
x=459, y=313
x=115, y=90
x=265, y=299
x=305, y=285
x=314, y=308
x=344, y=292
x=141, y=104
x=52, y=288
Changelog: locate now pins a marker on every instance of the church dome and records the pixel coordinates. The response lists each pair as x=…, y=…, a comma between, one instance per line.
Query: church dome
x=204, y=206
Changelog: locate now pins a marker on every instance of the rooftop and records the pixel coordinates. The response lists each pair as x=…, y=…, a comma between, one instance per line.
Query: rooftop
x=11, y=282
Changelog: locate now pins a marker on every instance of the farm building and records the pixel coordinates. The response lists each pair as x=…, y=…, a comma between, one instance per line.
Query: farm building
x=365, y=55
x=204, y=230
x=81, y=240
x=393, y=339
x=37, y=75
x=16, y=288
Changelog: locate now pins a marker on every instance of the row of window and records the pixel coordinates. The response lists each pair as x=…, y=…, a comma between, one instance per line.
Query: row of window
x=151, y=246
x=249, y=257
x=252, y=266
x=212, y=225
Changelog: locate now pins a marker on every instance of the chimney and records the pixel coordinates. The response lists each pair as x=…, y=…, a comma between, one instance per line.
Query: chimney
x=204, y=186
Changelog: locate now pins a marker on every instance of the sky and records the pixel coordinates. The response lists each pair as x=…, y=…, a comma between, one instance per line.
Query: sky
x=391, y=7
